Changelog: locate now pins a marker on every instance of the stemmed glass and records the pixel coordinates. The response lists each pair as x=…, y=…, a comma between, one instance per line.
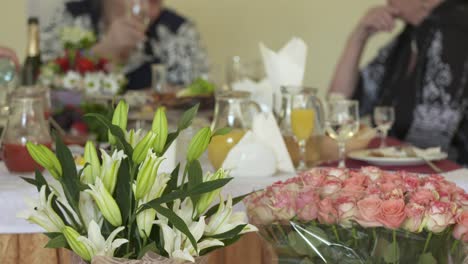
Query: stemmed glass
x=139, y=10
x=384, y=117
x=342, y=124
x=302, y=122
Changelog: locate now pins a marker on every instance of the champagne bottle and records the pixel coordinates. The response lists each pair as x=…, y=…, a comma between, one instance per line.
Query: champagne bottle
x=32, y=63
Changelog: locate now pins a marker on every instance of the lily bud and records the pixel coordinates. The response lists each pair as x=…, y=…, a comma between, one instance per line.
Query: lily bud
x=93, y=169
x=133, y=137
x=110, y=168
x=146, y=218
x=143, y=146
x=46, y=158
x=199, y=144
x=160, y=128
x=107, y=205
x=207, y=199
x=119, y=118
x=147, y=174
x=80, y=248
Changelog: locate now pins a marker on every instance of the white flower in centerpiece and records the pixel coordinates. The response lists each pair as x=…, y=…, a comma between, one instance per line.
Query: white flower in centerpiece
x=106, y=203
x=224, y=220
x=76, y=36
x=88, y=209
x=41, y=213
x=93, y=83
x=99, y=245
x=63, y=204
x=71, y=80
x=133, y=137
x=110, y=168
x=110, y=85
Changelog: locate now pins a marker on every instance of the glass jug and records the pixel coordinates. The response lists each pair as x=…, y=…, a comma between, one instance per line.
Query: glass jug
x=26, y=123
x=233, y=109
x=283, y=115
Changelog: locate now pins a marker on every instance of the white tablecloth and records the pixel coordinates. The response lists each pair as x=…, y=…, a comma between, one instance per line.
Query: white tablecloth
x=13, y=190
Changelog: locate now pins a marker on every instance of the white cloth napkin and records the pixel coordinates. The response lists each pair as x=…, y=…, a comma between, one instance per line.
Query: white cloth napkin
x=261, y=92
x=285, y=67
x=261, y=152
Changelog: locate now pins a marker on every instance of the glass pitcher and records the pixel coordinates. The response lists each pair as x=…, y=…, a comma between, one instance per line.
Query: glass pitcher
x=283, y=115
x=26, y=123
x=233, y=109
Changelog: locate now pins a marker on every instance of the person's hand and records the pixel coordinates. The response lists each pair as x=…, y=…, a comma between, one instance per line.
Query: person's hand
x=123, y=36
x=377, y=19
x=10, y=54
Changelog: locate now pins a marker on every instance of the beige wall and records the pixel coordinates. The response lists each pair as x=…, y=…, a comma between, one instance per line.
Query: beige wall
x=235, y=27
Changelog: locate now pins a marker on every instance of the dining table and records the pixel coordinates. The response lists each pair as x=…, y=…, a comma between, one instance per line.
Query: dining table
x=22, y=242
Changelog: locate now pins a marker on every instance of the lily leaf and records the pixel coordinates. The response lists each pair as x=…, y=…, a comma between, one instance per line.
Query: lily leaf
x=182, y=194
x=222, y=131
x=122, y=189
x=195, y=177
x=187, y=118
x=70, y=181
x=235, y=201
x=57, y=242
x=172, y=184
x=177, y=222
x=170, y=139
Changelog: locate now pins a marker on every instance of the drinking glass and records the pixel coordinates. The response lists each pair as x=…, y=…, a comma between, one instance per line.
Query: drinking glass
x=384, y=117
x=342, y=124
x=303, y=115
x=139, y=10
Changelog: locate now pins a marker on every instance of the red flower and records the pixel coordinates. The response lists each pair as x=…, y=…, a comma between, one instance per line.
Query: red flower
x=63, y=63
x=84, y=65
x=102, y=65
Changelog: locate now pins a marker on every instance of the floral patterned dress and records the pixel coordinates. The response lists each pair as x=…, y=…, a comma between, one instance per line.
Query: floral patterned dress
x=423, y=73
x=171, y=40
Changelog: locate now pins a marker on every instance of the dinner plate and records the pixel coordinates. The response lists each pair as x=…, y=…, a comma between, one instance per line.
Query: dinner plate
x=363, y=155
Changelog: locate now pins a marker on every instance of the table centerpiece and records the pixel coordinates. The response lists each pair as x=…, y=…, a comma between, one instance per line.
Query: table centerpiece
x=123, y=208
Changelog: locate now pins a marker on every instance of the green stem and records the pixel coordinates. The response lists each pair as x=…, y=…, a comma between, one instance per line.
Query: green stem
x=354, y=237
x=185, y=173
x=428, y=239
x=395, y=246
x=335, y=231
x=282, y=232
x=454, y=246
x=374, y=234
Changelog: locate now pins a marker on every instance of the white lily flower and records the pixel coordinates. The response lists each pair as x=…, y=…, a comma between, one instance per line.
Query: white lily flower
x=71, y=80
x=88, y=209
x=133, y=137
x=58, y=191
x=224, y=220
x=99, y=245
x=110, y=168
x=146, y=218
x=41, y=213
x=106, y=203
x=207, y=199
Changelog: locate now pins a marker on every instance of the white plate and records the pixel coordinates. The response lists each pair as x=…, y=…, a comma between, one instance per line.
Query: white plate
x=363, y=155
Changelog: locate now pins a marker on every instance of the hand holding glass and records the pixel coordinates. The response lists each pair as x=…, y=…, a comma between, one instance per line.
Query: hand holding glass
x=302, y=123
x=342, y=124
x=384, y=117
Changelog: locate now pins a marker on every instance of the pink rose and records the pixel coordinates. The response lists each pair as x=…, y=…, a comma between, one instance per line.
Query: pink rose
x=415, y=215
x=423, y=197
x=341, y=174
x=392, y=213
x=346, y=209
x=259, y=209
x=373, y=173
x=460, y=231
x=368, y=208
x=356, y=181
x=306, y=205
x=327, y=214
x=331, y=186
x=439, y=216
x=462, y=200
x=395, y=178
x=313, y=179
x=411, y=182
x=284, y=205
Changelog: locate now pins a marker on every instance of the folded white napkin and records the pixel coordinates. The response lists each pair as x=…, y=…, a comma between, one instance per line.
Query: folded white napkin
x=261, y=152
x=261, y=92
x=285, y=67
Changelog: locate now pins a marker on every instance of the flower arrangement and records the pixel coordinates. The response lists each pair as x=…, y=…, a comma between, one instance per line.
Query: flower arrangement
x=367, y=216
x=119, y=205
x=78, y=70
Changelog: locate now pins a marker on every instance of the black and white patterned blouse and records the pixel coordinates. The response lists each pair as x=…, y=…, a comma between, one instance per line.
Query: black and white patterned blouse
x=423, y=73
x=171, y=40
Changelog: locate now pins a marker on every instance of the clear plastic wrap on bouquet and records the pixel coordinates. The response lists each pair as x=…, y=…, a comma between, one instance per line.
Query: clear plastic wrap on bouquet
x=366, y=216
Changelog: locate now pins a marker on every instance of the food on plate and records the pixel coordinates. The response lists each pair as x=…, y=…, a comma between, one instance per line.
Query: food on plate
x=199, y=87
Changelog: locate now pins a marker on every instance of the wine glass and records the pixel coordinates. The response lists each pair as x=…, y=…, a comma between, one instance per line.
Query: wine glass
x=303, y=115
x=384, y=117
x=140, y=10
x=342, y=124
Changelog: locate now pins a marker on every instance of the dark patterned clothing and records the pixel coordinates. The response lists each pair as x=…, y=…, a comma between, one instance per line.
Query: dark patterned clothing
x=171, y=40
x=423, y=73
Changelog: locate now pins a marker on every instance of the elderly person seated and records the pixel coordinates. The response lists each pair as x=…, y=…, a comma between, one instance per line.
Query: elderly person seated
x=422, y=72
x=163, y=37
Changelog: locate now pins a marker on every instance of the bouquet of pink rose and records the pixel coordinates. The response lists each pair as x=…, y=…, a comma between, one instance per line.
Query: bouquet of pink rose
x=363, y=216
